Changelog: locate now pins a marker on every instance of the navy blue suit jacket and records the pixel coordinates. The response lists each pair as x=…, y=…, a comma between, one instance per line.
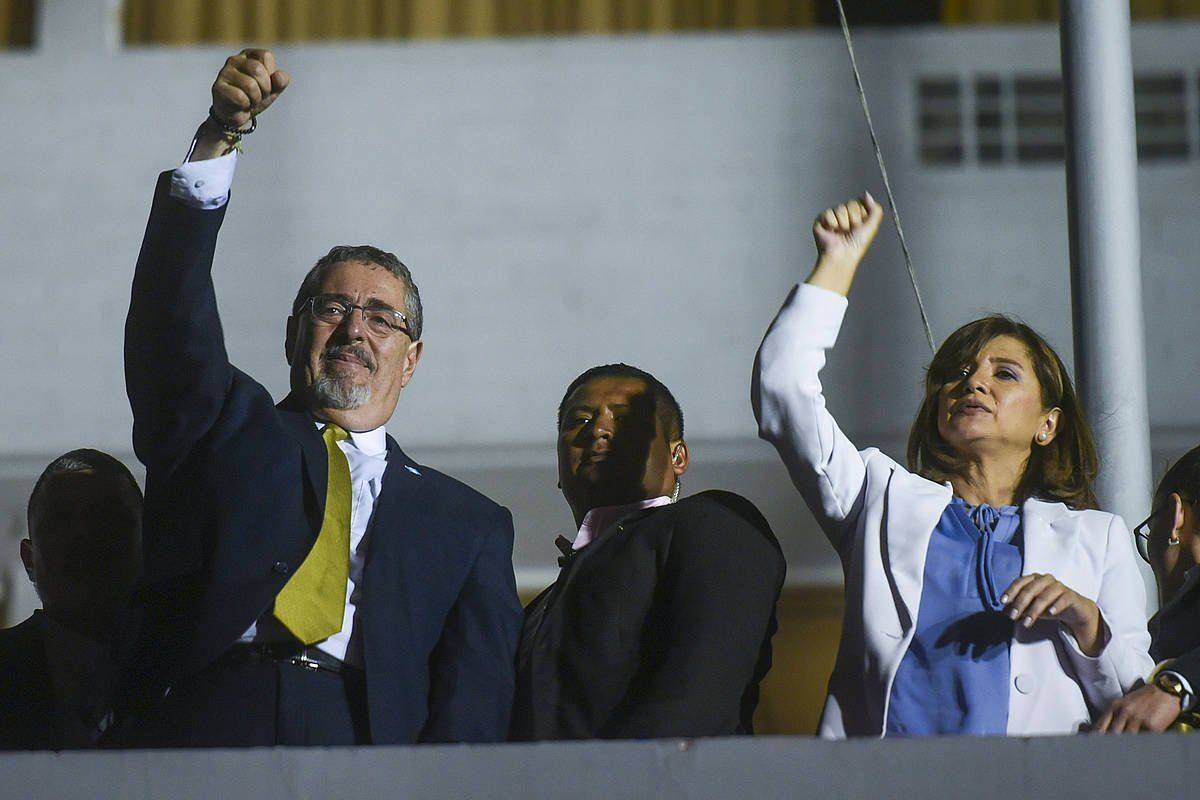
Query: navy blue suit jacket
x=26, y=696
x=1175, y=631
x=234, y=492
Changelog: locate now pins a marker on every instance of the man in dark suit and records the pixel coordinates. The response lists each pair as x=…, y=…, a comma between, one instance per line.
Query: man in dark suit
x=306, y=581
x=82, y=555
x=1169, y=540
x=660, y=622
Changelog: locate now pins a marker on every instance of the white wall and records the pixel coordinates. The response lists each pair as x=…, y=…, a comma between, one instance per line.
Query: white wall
x=562, y=202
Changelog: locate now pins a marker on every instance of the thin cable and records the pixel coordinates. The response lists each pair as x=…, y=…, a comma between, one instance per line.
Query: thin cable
x=887, y=185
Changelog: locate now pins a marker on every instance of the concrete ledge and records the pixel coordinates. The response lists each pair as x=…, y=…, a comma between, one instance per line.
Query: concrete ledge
x=1089, y=768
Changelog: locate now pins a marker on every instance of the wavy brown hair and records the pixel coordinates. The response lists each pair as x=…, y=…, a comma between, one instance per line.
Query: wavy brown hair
x=1063, y=470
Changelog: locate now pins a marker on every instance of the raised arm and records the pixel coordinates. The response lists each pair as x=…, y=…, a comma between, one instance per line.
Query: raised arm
x=786, y=390
x=176, y=367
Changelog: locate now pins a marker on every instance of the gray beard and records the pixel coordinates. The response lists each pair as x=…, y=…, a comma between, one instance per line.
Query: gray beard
x=330, y=392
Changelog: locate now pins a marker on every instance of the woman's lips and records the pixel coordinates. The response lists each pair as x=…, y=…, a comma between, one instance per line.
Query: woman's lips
x=971, y=409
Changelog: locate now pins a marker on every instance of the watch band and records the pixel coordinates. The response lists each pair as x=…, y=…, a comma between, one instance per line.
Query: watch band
x=1175, y=684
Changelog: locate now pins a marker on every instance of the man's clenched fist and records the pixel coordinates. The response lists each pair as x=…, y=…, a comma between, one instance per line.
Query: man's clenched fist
x=247, y=84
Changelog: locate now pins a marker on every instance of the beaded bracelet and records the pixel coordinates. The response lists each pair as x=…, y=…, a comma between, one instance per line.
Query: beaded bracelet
x=232, y=130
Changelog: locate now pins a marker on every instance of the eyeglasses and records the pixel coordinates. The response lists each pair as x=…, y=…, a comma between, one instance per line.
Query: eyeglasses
x=1141, y=533
x=380, y=320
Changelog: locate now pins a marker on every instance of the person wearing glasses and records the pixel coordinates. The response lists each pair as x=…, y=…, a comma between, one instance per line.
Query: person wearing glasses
x=307, y=583
x=984, y=594
x=1169, y=543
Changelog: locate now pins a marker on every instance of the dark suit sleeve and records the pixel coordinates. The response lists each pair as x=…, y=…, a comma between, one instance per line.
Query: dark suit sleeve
x=1188, y=665
x=718, y=590
x=177, y=372
x=472, y=668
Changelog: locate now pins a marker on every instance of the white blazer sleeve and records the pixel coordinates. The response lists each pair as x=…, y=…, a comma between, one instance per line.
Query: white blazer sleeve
x=790, y=408
x=1122, y=601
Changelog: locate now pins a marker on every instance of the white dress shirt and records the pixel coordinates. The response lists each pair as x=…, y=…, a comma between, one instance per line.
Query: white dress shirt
x=205, y=185
x=597, y=519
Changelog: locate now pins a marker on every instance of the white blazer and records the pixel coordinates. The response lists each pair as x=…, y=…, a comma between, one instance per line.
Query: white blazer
x=879, y=518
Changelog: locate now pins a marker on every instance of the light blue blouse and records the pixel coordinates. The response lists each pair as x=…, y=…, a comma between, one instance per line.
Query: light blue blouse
x=954, y=677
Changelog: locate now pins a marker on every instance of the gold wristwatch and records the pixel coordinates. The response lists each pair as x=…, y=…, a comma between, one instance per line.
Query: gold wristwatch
x=1171, y=683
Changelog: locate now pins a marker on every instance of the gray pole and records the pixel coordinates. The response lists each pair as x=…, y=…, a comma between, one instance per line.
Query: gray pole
x=1106, y=286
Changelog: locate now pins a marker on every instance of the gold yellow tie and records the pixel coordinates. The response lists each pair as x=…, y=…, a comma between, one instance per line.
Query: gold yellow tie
x=312, y=603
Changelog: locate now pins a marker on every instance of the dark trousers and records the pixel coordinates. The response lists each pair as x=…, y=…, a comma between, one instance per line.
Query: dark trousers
x=255, y=703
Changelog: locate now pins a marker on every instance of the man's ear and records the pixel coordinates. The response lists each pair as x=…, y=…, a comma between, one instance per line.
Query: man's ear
x=289, y=339
x=29, y=560
x=679, y=457
x=411, y=357
x=1181, y=518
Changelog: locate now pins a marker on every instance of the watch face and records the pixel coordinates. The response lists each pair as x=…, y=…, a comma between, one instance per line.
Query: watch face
x=1170, y=683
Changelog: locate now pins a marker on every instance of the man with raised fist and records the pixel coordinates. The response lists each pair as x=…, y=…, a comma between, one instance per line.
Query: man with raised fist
x=306, y=582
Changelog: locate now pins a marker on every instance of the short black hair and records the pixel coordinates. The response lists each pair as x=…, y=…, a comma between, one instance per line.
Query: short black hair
x=1183, y=477
x=670, y=415
x=82, y=461
x=364, y=254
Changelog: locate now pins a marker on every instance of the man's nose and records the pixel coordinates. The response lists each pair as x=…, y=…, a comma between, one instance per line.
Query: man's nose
x=602, y=426
x=353, y=325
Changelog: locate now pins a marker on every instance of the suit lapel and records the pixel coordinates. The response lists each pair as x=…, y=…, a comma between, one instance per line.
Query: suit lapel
x=316, y=461
x=402, y=481
x=395, y=573
x=911, y=512
x=402, y=486
x=1050, y=538
x=620, y=527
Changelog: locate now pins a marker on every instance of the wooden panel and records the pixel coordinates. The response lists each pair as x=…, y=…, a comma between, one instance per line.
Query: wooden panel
x=266, y=21
x=16, y=23
x=976, y=12
x=810, y=626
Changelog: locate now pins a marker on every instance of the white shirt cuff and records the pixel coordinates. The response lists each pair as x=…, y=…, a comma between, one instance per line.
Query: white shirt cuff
x=204, y=184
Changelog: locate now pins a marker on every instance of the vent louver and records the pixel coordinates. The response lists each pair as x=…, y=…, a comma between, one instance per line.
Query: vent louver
x=996, y=120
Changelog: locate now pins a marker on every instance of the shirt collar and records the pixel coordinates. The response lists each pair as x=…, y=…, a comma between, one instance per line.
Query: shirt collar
x=371, y=443
x=601, y=517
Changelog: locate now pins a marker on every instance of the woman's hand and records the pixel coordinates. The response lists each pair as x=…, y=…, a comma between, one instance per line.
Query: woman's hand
x=843, y=235
x=1147, y=708
x=1031, y=597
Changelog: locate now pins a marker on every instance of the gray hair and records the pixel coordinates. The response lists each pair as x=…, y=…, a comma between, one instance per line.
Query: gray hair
x=365, y=254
